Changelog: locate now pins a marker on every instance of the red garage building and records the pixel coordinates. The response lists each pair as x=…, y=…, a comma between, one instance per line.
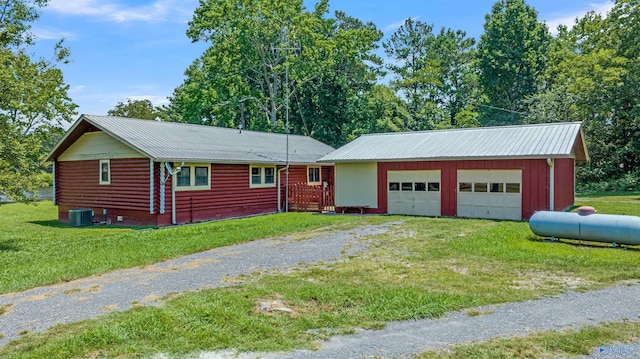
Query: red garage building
x=126, y=170
x=494, y=172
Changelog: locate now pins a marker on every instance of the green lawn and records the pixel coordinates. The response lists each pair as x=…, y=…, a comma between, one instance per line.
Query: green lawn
x=550, y=344
x=36, y=249
x=423, y=269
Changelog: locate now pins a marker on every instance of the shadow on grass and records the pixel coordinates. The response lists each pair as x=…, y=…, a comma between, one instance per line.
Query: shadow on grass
x=58, y=224
x=9, y=246
x=608, y=194
x=583, y=243
x=52, y=223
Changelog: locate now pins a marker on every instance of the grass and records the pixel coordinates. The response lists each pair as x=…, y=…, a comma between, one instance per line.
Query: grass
x=550, y=344
x=423, y=269
x=36, y=249
x=612, y=202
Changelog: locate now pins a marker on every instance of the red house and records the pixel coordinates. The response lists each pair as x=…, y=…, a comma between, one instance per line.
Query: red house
x=494, y=172
x=141, y=172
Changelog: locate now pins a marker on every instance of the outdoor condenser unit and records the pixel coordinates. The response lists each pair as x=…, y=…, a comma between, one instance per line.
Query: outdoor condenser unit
x=80, y=217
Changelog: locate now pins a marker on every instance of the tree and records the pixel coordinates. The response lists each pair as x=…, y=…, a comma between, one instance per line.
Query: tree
x=436, y=75
x=593, y=76
x=32, y=95
x=261, y=51
x=380, y=110
x=416, y=71
x=252, y=43
x=141, y=109
x=512, y=55
x=329, y=106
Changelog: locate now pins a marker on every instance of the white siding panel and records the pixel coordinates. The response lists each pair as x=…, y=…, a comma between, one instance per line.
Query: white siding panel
x=356, y=184
x=97, y=145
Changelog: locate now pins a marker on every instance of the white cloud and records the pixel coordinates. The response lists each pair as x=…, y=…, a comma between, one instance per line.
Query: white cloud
x=155, y=100
x=568, y=19
x=76, y=89
x=158, y=10
x=396, y=25
x=52, y=34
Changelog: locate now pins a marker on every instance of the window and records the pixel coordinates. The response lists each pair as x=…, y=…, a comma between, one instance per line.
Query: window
x=513, y=187
x=394, y=186
x=407, y=186
x=105, y=171
x=184, y=177
x=256, y=175
x=193, y=177
x=434, y=186
x=480, y=187
x=202, y=176
x=313, y=175
x=269, y=175
x=262, y=176
x=497, y=187
x=464, y=187
x=420, y=187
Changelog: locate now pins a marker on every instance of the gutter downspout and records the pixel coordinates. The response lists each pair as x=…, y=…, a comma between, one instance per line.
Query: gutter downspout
x=552, y=183
x=162, y=187
x=173, y=198
x=53, y=172
x=279, y=188
x=151, y=187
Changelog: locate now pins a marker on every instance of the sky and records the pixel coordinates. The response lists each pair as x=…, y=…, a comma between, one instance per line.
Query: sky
x=138, y=49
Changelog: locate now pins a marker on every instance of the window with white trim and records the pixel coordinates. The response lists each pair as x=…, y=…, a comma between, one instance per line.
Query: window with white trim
x=193, y=177
x=262, y=176
x=105, y=171
x=313, y=175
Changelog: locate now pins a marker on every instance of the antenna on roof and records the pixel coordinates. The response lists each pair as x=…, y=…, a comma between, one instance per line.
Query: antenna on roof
x=241, y=124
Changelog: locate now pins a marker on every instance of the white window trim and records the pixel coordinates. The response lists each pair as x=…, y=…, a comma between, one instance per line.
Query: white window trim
x=192, y=179
x=108, y=181
x=319, y=182
x=262, y=177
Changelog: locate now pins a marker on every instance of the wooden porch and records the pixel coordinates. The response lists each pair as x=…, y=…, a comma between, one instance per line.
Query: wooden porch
x=306, y=198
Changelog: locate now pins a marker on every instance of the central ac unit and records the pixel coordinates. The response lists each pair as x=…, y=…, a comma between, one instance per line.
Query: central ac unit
x=80, y=217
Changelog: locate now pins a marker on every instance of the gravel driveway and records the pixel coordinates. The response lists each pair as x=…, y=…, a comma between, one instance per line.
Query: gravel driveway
x=38, y=309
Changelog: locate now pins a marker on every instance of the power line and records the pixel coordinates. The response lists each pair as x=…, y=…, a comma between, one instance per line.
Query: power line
x=503, y=109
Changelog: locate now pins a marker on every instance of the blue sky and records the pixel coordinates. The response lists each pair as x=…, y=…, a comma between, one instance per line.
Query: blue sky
x=138, y=49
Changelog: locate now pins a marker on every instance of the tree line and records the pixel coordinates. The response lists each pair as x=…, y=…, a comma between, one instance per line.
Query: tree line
x=277, y=66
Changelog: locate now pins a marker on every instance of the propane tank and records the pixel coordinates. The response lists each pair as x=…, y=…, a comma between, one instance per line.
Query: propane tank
x=587, y=226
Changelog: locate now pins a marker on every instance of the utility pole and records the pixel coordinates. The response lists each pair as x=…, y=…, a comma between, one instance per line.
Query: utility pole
x=285, y=46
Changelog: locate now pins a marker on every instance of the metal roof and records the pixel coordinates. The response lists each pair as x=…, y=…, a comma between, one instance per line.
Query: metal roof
x=555, y=140
x=171, y=141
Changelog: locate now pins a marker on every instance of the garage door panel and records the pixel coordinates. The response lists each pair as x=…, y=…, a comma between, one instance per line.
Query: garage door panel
x=414, y=197
x=465, y=211
x=494, y=194
x=512, y=200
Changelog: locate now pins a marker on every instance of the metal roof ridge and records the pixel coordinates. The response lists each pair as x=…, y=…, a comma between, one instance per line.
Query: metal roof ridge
x=190, y=125
x=474, y=128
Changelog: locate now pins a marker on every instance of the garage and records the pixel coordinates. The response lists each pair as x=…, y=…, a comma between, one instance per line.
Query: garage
x=492, y=194
x=414, y=192
x=502, y=172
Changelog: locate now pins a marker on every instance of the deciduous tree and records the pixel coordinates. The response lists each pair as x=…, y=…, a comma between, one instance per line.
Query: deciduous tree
x=33, y=94
x=141, y=109
x=512, y=56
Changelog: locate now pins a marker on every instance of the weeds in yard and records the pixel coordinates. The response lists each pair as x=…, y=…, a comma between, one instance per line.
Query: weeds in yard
x=4, y=309
x=550, y=344
x=37, y=250
x=424, y=268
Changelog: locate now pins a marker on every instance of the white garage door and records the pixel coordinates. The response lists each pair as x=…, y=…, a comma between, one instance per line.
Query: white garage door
x=414, y=192
x=493, y=194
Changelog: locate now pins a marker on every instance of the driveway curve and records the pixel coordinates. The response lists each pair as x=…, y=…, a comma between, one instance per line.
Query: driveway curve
x=38, y=309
